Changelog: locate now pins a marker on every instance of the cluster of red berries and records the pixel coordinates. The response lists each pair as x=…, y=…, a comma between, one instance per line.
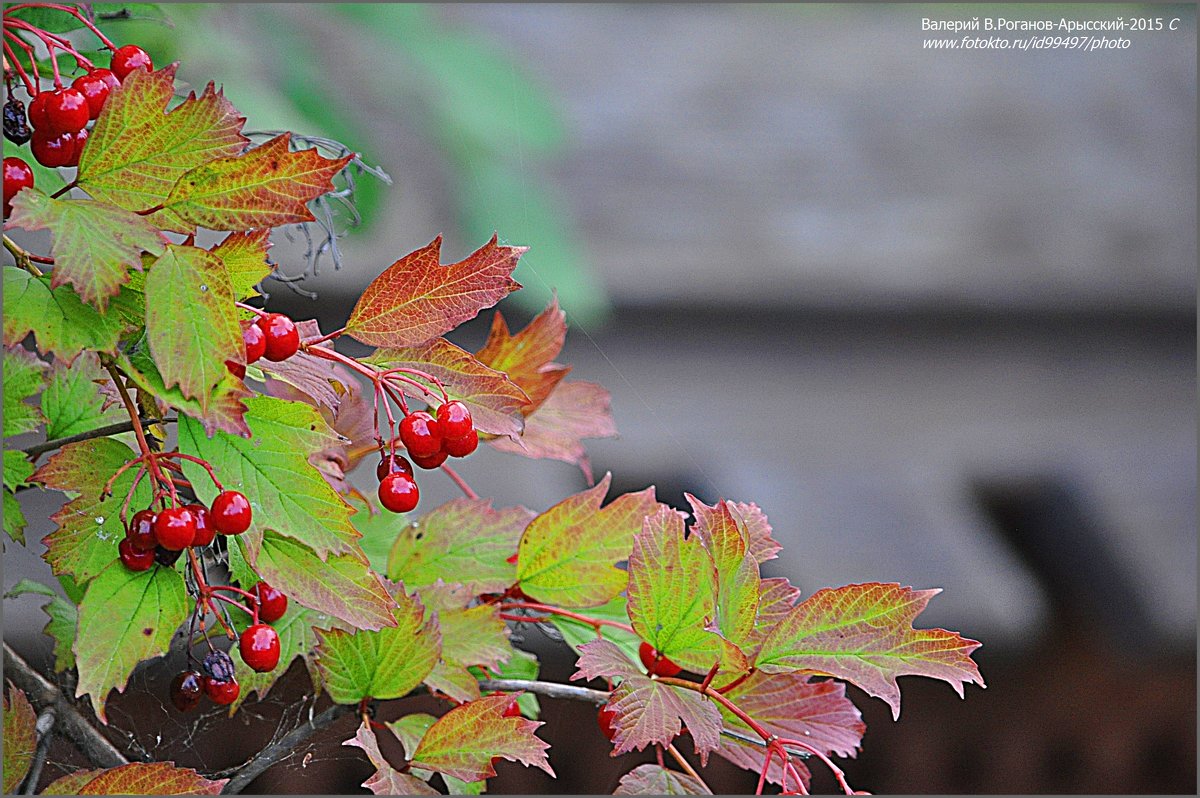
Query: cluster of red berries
x=258, y=645
x=429, y=442
x=161, y=537
x=60, y=117
x=272, y=336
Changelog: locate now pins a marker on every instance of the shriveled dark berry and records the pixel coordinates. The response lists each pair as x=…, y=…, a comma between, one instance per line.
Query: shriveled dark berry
x=217, y=665
x=16, y=124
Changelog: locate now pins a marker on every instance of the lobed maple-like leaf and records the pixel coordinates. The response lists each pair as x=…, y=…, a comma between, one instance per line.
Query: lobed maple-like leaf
x=495, y=401
x=136, y=778
x=463, y=742
x=89, y=526
x=63, y=619
x=72, y=403
x=527, y=357
x=864, y=635
x=417, y=299
x=776, y=598
x=24, y=376
x=603, y=659
x=137, y=152
x=226, y=406
x=648, y=712
x=191, y=321
x=577, y=633
x=297, y=638
x=267, y=186
x=753, y=521
x=245, y=257
x=723, y=534
x=62, y=325
x=572, y=412
x=465, y=540
x=386, y=663
x=568, y=554
x=653, y=779
x=20, y=738
x=386, y=780
x=470, y=636
x=94, y=244
x=125, y=617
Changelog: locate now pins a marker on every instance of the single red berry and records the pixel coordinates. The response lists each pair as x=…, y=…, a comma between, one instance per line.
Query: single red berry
x=133, y=559
x=37, y=110
x=186, y=689
x=454, y=419
x=605, y=718
x=221, y=692
x=513, y=710
x=175, y=528
x=17, y=175
x=236, y=369
x=52, y=150
x=420, y=434
x=390, y=463
x=259, y=646
x=281, y=338
x=230, y=513
x=398, y=492
x=204, y=528
x=656, y=664
x=77, y=151
x=65, y=111
x=128, y=58
x=430, y=463
x=140, y=531
x=461, y=447
x=272, y=603
x=95, y=87
x=255, y=340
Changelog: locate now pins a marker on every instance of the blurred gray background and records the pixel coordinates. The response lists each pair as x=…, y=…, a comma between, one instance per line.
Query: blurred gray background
x=933, y=311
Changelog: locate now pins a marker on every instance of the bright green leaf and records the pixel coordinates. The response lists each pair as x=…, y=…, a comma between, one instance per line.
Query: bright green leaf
x=24, y=376
x=245, y=259
x=17, y=468
x=72, y=402
x=59, y=320
x=14, y=518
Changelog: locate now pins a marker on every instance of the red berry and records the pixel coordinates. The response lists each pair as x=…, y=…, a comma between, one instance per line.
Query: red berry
x=65, y=111
x=140, y=531
x=390, y=463
x=272, y=603
x=281, y=337
x=430, y=463
x=420, y=434
x=221, y=692
x=398, y=492
x=133, y=559
x=17, y=175
x=461, y=447
x=80, y=139
x=175, y=528
x=656, y=664
x=52, y=150
x=512, y=710
x=204, y=528
x=454, y=420
x=255, y=340
x=95, y=87
x=236, y=369
x=186, y=690
x=230, y=513
x=259, y=646
x=128, y=58
x=605, y=718
x=37, y=110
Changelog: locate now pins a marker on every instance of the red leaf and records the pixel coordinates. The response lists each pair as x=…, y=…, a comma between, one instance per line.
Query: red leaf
x=416, y=298
x=649, y=712
x=315, y=377
x=386, y=780
x=463, y=741
x=654, y=779
x=526, y=357
x=20, y=738
x=602, y=659
x=150, y=778
x=572, y=412
x=792, y=705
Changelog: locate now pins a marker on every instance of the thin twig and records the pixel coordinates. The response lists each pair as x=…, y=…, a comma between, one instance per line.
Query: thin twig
x=547, y=689
x=33, y=452
x=283, y=747
x=44, y=728
x=22, y=257
x=687, y=766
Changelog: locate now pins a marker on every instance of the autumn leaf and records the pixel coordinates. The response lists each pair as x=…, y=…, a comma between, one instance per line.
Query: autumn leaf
x=226, y=406
x=652, y=779
x=572, y=412
x=864, y=635
x=722, y=532
x=495, y=401
x=316, y=377
x=577, y=633
x=417, y=299
x=268, y=186
x=386, y=780
x=94, y=244
x=20, y=738
x=527, y=357
x=137, y=778
x=62, y=325
x=470, y=636
x=463, y=741
x=568, y=554
x=71, y=783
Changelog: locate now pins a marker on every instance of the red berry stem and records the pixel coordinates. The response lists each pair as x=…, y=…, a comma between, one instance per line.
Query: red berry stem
x=198, y=461
x=314, y=341
x=47, y=40
x=31, y=85
x=68, y=10
x=595, y=623
x=253, y=612
x=137, y=478
x=458, y=480
x=256, y=311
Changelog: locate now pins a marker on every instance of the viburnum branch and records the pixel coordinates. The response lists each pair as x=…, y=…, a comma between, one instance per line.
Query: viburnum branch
x=24, y=259
x=286, y=746
x=252, y=612
x=685, y=765
x=135, y=419
x=68, y=10
x=118, y=428
x=44, y=727
x=198, y=461
x=137, y=478
x=595, y=623
x=32, y=86
x=327, y=337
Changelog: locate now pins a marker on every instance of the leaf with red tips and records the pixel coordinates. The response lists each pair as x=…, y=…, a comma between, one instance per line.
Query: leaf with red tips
x=568, y=554
x=416, y=298
x=527, y=357
x=572, y=412
x=386, y=780
x=463, y=741
x=864, y=635
x=603, y=659
x=793, y=705
x=71, y=783
x=226, y=406
x=137, y=778
x=776, y=598
x=94, y=244
x=268, y=186
x=137, y=151
x=649, y=712
x=470, y=636
x=754, y=523
x=723, y=534
x=245, y=258
x=653, y=779
x=20, y=738
x=494, y=400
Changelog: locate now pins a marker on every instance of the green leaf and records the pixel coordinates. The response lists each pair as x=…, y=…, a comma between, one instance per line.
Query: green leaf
x=115, y=13
x=14, y=518
x=287, y=493
x=568, y=554
x=463, y=540
x=653, y=779
x=470, y=636
x=89, y=527
x=297, y=638
x=226, y=408
x=17, y=468
x=864, y=635
x=72, y=402
x=245, y=259
x=191, y=321
x=576, y=633
x=62, y=623
x=59, y=320
x=125, y=617
x=723, y=533
x=71, y=783
x=20, y=738
x=94, y=244
x=48, y=19
x=386, y=780
x=136, y=153
x=24, y=376
x=139, y=778
x=463, y=741
x=380, y=664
